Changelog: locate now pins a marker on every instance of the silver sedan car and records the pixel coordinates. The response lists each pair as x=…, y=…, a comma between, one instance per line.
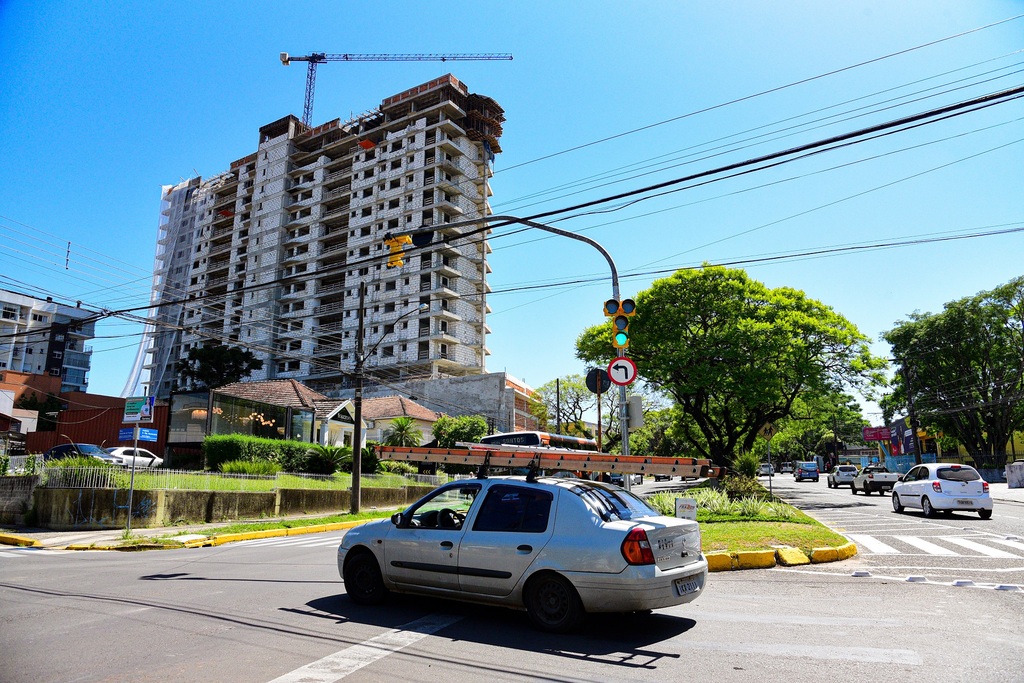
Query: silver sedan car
x=942, y=486
x=558, y=548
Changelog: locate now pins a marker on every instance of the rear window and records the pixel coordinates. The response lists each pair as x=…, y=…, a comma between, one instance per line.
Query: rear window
x=612, y=503
x=847, y=468
x=958, y=474
x=808, y=465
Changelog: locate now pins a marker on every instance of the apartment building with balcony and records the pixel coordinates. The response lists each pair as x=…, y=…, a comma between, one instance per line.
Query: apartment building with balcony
x=44, y=337
x=269, y=255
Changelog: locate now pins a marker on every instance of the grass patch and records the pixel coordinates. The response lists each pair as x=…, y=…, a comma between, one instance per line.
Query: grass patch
x=739, y=536
x=243, y=527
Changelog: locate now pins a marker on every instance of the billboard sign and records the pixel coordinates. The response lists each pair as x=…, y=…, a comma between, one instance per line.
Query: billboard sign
x=138, y=409
x=875, y=433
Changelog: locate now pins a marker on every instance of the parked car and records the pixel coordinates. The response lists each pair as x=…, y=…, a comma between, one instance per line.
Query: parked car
x=143, y=458
x=806, y=470
x=841, y=475
x=557, y=548
x=72, y=450
x=786, y=468
x=617, y=479
x=942, y=487
x=874, y=478
x=766, y=470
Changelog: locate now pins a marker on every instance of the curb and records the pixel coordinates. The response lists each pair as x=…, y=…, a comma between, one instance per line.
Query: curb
x=766, y=559
x=23, y=541
x=221, y=539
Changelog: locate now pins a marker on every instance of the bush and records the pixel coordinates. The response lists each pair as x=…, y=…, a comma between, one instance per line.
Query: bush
x=739, y=487
x=242, y=467
x=5, y=464
x=78, y=461
x=747, y=464
x=396, y=467
x=326, y=459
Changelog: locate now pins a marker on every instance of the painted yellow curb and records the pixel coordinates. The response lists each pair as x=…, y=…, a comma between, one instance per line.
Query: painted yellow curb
x=791, y=557
x=755, y=559
x=11, y=539
x=719, y=562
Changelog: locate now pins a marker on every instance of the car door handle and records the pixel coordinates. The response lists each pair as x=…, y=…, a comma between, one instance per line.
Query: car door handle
x=525, y=548
x=447, y=545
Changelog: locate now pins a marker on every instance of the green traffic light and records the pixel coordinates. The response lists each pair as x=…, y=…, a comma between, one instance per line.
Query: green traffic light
x=621, y=340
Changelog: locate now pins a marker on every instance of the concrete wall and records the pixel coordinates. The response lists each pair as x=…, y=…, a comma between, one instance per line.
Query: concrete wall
x=16, y=497
x=79, y=509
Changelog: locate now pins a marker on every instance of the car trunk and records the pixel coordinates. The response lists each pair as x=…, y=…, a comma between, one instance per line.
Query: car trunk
x=676, y=545
x=962, y=489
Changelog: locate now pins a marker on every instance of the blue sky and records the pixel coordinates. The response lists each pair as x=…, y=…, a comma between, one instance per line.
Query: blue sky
x=101, y=103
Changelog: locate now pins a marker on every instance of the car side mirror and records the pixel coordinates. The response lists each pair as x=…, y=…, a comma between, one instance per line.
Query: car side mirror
x=396, y=519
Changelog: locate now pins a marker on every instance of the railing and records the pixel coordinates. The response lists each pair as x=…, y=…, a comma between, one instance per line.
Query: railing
x=166, y=479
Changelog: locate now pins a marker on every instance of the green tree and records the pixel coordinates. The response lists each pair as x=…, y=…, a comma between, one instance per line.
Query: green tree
x=565, y=402
x=734, y=354
x=966, y=368
x=402, y=432
x=209, y=367
x=321, y=459
x=47, y=409
x=450, y=430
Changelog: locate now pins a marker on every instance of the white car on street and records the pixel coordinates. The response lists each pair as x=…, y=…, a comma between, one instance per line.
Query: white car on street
x=942, y=487
x=766, y=470
x=558, y=548
x=123, y=455
x=841, y=475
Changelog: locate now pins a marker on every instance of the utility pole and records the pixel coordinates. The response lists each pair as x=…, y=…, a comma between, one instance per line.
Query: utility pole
x=357, y=427
x=907, y=373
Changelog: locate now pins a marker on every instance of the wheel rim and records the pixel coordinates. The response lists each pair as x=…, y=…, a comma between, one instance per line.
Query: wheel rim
x=896, y=503
x=364, y=578
x=926, y=507
x=552, y=601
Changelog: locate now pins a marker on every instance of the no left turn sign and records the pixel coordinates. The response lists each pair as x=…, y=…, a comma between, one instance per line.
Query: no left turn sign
x=622, y=371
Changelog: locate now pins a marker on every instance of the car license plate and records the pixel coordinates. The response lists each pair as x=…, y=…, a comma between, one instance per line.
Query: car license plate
x=687, y=586
x=964, y=501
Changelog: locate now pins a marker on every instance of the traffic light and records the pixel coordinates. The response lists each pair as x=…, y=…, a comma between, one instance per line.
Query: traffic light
x=395, y=246
x=620, y=312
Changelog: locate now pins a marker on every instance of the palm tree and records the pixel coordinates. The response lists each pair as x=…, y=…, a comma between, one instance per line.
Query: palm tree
x=326, y=459
x=402, y=432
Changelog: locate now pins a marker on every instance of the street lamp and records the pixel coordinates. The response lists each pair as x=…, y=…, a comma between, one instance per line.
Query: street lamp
x=357, y=428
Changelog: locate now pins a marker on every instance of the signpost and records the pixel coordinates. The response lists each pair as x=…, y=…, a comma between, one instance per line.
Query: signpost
x=137, y=410
x=767, y=432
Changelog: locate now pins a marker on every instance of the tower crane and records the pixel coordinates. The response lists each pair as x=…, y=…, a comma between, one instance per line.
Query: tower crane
x=315, y=58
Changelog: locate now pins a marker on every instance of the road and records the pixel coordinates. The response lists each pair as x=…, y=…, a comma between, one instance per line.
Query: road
x=946, y=549
x=275, y=610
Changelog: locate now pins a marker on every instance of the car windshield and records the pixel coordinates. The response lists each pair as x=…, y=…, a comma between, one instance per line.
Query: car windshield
x=958, y=474
x=90, y=449
x=612, y=503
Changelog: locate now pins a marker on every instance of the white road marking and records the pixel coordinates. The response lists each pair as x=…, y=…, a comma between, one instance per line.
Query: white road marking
x=926, y=546
x=873, y=544
x=342, y=663
x=1013, y=544
x=979, y=548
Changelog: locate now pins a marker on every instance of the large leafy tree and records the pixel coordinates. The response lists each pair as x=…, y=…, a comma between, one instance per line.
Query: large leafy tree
x=450, y=430
x=734, y=354
x=209, y=367
x=965, y=369
x=564, y=403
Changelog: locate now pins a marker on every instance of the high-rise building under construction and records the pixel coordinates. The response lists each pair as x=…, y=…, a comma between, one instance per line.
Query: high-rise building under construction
x=269, y=255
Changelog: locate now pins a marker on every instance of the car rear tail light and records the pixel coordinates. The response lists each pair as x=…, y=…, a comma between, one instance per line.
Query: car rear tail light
x=636, y=549
x=871, y=475
x=984, y=486
x=937, y=487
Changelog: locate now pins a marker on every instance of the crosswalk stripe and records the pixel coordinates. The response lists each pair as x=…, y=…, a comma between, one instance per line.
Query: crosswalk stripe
x=926, y=546
x=1013, y=544
x=873, y=544
x=979, y=548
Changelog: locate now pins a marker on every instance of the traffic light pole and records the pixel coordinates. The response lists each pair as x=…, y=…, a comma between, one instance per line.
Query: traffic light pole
x=623, y=408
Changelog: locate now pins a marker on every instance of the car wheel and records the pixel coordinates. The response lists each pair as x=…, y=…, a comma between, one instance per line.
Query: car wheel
x=985, y=514
x=363, y=581
x=853, y=489
x=829, y=483
x=897, y=506
x=552, y=603
x=867, y=491
x=926, y=507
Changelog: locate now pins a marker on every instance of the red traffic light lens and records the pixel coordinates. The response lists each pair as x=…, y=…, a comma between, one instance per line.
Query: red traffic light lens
x=627, y=307
x=611, y=307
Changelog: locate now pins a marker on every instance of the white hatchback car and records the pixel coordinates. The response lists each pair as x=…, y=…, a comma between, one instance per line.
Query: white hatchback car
x=558, y=548
x=841, y=475
x=123, y=455
x=942, y=486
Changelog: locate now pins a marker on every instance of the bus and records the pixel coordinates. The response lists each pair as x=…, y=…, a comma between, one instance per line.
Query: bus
x=544, y=439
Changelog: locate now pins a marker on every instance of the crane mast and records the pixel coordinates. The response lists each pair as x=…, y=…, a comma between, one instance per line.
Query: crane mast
x=315, y=58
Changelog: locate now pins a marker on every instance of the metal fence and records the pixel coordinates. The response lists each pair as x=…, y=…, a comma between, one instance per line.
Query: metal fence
x=167, y=479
